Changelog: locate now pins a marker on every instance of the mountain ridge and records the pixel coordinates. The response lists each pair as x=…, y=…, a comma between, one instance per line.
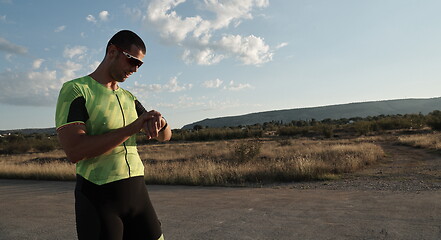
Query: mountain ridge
x=336, y=111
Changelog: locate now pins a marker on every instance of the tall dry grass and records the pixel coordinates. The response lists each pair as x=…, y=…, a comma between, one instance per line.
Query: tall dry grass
x=429, y=141
x=219, y=162
x=47, y=171
x=47, y=166
x=216, y=163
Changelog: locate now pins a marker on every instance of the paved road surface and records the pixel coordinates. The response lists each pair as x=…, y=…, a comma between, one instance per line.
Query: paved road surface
x=44, y=210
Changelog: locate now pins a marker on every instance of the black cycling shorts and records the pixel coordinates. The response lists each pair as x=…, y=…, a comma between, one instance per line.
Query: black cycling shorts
x=117, y=210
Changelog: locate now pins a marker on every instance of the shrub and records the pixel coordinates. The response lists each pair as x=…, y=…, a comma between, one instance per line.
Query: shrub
x=363, y=127
x=212, y=134
x=327, y=131
x=392, y=123
x=16, y=147
x=246, y=151
x=434, y=120
x=292, y=131
x=44, y=146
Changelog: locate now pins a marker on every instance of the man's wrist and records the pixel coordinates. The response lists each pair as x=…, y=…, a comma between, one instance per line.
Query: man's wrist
x=165, y=126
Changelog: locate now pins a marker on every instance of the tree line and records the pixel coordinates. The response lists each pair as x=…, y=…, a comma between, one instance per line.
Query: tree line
x=326, y=128
x=15, y=143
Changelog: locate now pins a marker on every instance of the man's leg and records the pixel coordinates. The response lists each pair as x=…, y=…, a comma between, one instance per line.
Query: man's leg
x=87, y=219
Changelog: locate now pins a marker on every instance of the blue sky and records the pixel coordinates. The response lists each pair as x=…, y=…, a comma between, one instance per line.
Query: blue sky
x=215, y=58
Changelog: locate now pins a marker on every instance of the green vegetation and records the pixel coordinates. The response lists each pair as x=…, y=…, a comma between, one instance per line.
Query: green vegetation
x=355, y=126
x=434, y=120
x=16, y=143
x=327, y=128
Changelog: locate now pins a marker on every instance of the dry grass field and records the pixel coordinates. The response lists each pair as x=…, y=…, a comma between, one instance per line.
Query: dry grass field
x=233, y=162
x=49, y=166
x=253, y=161
x=428, y=141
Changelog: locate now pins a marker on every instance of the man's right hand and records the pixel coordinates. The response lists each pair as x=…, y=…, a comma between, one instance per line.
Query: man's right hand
x=153, y=123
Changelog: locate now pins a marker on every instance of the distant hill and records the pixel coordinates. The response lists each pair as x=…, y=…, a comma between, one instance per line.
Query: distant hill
x=350, y=110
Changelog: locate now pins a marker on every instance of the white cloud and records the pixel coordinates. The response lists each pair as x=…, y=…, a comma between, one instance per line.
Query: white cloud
x=104, y=15
x=284, y=44
x=141, y=91
x=69, y=70
x=173, y=85
x=60, y=28
x=171, y=26
x=204, y=104
x=144, y=91
x=9, y=47
x=77, y=51
x=232, y=11
x=37, y=63
x=34, y=88
x=202, y=57
x=3, y=18
x=39, y=86
x=250, y=50
x=155, y=87
x=237, y=87
x=134, y=13
x=213, y=83
x=91, y=18
x=185, y=102
x=188, y=102
x=8, y=57
x=196, y=35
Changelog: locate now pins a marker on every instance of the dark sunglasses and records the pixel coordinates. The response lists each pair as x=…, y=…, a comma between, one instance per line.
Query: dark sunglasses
x=134, y=61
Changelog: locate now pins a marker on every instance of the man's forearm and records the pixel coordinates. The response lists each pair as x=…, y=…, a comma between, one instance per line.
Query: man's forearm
x=79, y=146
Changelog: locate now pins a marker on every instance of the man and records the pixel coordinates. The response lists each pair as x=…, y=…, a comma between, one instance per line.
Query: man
x=96, y=122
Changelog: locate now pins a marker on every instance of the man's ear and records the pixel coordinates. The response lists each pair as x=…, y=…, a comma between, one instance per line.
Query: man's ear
x=112, y=51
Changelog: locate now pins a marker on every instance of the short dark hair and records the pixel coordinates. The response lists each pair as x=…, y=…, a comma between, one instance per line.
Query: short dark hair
x=125, y=39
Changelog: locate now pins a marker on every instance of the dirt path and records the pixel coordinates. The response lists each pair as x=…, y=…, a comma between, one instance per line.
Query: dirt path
x=406, y=169
x=400, y=198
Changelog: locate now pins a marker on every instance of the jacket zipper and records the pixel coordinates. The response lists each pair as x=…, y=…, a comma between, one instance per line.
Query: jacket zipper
x=124, y=124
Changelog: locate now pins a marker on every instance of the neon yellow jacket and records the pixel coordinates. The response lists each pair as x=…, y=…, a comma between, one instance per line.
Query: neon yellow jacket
x=85, y=101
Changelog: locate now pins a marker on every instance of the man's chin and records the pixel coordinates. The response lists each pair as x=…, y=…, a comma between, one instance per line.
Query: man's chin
x=121, y=80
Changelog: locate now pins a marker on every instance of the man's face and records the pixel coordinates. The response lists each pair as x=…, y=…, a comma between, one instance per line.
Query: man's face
x=126, y=62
